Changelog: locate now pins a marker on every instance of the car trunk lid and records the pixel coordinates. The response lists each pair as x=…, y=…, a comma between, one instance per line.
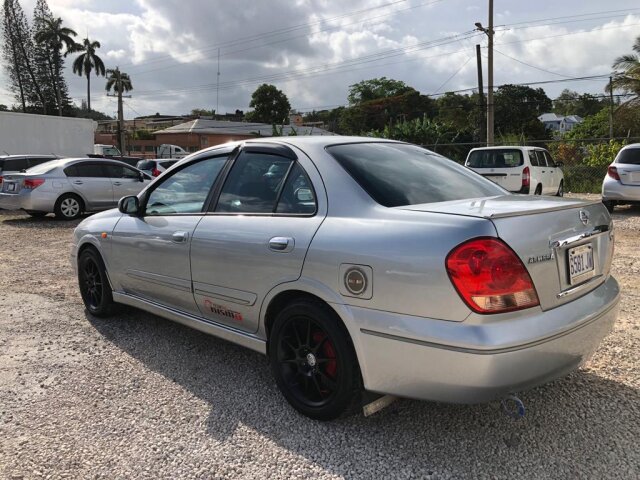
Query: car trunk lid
x=12, y=183
x=629, y=174
x=565, y=244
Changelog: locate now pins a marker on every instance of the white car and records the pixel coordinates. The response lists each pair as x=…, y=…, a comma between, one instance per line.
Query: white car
x=527, y=170
x=622, y=184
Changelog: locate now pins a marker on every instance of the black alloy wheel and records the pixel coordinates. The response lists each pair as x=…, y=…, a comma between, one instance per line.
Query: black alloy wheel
x=313, y=361
x=538, y=190
x=94, y=284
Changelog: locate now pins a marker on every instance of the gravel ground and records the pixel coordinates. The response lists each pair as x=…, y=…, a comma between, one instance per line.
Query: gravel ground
x=141, y=397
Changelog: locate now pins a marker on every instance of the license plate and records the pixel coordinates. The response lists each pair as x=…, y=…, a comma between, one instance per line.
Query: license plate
x=11, y=187
x=580, y=263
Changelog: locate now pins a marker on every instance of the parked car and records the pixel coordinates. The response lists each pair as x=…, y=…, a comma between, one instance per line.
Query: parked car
x=155, y=167
x=526, y=170
x=356, y=263
x=621, y=185
x=69, y=187
x=18, y=163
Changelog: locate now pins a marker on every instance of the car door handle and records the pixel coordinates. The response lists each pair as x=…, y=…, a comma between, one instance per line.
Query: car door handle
x=281, y=244
x=78, y=182
x=179, y=237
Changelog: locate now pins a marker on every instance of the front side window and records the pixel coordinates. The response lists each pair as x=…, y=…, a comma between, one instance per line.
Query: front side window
x=120, y=171
x=494, y=158
x=397, y=174
x=186, y=191
x=541, y=160
x=254, y=183
x=550, y=161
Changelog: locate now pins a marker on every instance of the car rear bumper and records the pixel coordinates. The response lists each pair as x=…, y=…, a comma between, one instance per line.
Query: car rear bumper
x=25, y=200
x=472, y=362
x=613, y=190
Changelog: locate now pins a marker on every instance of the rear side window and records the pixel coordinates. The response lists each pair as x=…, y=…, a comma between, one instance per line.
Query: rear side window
x=146, y=165
x=15, y=164
x=502, y=158
x=533, y=159
x=298, y=196
x=397, y=174
x=630, y=156
x=542, y=162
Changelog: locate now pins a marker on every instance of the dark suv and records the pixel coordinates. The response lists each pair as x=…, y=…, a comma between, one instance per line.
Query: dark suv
x=17, y=163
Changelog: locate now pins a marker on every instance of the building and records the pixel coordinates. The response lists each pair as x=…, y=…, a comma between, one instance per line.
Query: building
x=559, y=123
x=202, y=133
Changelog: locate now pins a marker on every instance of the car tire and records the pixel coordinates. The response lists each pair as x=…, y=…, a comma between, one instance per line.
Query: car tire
x=560, y=190
x=68, y=207
x=610, y=205
x=313, y=361
x=95, y=289
x=36, y=214
x=538, y=190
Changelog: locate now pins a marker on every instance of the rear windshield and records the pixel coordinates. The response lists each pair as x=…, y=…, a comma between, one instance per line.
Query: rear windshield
x=630, y=156
x=397, y=174
x=43, y=167
x=146, y=165
x=495, y=158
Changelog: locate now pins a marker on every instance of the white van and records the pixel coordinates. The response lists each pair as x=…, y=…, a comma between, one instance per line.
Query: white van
x=528, y=170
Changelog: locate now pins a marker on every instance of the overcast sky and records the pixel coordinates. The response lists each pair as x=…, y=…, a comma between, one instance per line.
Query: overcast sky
x=313, y=50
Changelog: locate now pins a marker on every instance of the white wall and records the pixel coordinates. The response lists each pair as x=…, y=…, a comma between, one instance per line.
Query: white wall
x=22, y=133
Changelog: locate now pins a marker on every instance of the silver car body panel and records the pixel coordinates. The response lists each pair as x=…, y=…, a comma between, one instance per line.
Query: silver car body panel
x=627, y=189
x=414, y=336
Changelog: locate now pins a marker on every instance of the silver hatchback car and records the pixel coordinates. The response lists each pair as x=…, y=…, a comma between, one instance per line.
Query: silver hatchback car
x=621, y=186
x=71, y=186
x=359, y=264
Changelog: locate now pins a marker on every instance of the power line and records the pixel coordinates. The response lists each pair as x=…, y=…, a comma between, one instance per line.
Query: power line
x=532, y=66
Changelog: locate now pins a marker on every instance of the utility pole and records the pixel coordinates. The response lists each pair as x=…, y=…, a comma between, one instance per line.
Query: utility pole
x=481, y=107
x=121, y=129
x=611, y=108
x=490, y=107
x=218, y=85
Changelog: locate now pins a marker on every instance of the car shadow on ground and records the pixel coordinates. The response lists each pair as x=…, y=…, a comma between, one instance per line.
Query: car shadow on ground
x=626, y=211
x=583, y=416
x=19, y=220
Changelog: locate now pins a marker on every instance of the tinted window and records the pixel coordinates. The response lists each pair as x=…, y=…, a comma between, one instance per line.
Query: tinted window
x=88, y=170
x=120, y=171
x=38, y=161
x=146, y=165
x=15, y=164
x=397, y=174
x=495, y=158
x=630, y=156
x=297, y=195
x=187, y=189
x=253, y=184
x=541, y=160
x=167, y=163
x=533, y=158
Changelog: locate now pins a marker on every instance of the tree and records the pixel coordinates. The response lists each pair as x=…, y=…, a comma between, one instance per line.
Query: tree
x=18, y=53
x=85, y=63
x=3, y=108
x=571, y=103
x=627, y=76
x=270, y=105
x=55, y=37
x=112, y=81
x=376, y=88
x=517, y=108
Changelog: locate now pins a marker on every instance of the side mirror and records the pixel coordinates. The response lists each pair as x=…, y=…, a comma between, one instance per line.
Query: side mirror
x=304, y=195
x=129, y=205
x=559, y=164
x=141, y=176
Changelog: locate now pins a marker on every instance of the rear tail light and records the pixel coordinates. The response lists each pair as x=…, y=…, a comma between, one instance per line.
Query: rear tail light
x=526, y=177
x=155, y=172
x=31, y=183
x=613, y=172
x=490, y=277
x=0, y=179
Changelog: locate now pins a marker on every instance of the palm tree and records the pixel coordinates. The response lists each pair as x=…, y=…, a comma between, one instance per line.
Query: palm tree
x=56, y=37
x=85, y=63
x=628, y=79
x=112, y=81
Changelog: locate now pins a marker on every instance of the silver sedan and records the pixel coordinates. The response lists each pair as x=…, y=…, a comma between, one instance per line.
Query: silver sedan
x=621, y=186
x=360, y=265
x=70, y=186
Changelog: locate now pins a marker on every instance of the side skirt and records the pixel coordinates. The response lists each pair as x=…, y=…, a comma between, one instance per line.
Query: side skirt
x=235, y=336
